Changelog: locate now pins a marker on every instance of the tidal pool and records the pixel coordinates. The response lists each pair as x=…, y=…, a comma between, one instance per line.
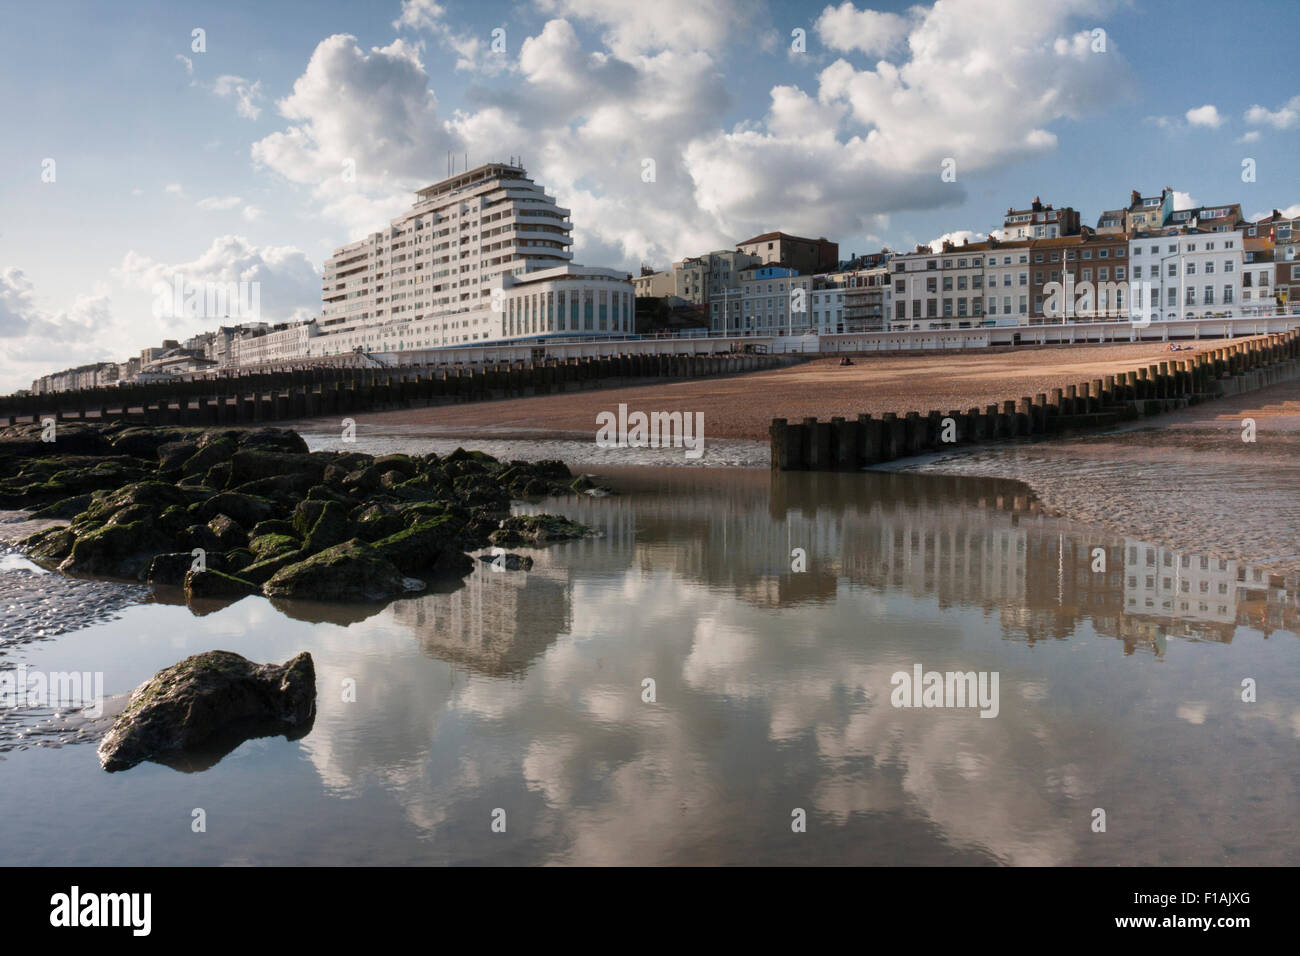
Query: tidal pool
x=523, y=697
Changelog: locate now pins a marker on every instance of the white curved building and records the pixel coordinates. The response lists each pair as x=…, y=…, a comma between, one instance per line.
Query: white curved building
x=481, y=256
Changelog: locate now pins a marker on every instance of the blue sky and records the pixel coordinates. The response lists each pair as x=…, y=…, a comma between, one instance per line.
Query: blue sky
x=163, y=166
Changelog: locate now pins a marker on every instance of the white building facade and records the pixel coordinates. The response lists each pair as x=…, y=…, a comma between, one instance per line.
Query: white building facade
x=457, y=269
x=1186, y=274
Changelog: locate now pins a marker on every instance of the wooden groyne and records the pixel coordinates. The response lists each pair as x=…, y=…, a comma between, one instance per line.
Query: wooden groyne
x=313, y=393
x=843, y=445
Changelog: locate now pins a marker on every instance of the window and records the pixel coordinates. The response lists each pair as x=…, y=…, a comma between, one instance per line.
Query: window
x=1209, y=268
x=1119, y=274
x=1227, y=295
x=1227, y=265
x=1137, y=272
x=1209, y=295
x=1191, y=269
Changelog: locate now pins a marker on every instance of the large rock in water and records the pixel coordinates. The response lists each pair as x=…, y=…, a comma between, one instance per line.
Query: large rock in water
x=352, y=571
x=210, y=700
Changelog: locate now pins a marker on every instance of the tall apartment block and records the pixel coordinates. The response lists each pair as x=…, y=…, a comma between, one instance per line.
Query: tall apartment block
x=481, y=257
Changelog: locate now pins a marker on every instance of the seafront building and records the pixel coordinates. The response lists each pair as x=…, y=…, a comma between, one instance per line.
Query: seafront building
x=1190, y=273
x=481, y=256
x=484, y=257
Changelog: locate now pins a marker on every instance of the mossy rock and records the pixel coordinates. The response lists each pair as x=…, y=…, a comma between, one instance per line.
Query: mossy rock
x=210, y=702
x=208, y=455
x=228, y=533
x=247, y=510
x=274, y=526
x=52, y=544
x=537, y=529
x=115, y=550
x=173, y=454
x=269, y=545
x=262, y=571
x=418, y=548
x=351, y=571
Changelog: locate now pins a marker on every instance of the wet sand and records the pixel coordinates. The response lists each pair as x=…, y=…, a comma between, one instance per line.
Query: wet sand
x=1186, y=480
x=743, y=406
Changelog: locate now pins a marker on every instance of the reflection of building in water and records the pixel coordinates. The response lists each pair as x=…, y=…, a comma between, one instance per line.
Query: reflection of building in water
x=496, y=623
x=1169, y=583
x=959, y=541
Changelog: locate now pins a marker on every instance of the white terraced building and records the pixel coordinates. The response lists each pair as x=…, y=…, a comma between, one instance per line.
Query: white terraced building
x=482, y=256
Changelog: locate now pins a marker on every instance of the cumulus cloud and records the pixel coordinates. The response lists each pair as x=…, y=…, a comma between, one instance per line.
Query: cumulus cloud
x=246, y=94
x=1207, y=115
x=363, y=131
x=1286, y=116
x=633, y=28
x=956, y=238
x=483, y=54
x=633, y=137
x=37, y=341
x=846, y=28
x=289, y=286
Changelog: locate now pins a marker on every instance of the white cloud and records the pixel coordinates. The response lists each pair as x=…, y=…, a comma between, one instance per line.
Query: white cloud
x=956, y=238
x=246, y=95
x=1207, y=115
x=1251, y=137
x=835, y=159
x=37, y=341
x=189, y=64
x=219, y=202
x=174, y=189
x=846, y=28
x=1290, y=212
x=363, y=131
x=252, y=213
x=1285, y=117
x=634, y=27
x=473, y=52
x=1184, y=200
x=289, y=286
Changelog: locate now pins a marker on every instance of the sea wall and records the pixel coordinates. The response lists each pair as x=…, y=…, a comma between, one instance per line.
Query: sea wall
x=311, y=393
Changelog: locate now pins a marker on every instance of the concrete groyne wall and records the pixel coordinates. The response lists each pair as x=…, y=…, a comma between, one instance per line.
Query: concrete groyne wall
x=843, y=445
x=312, y=393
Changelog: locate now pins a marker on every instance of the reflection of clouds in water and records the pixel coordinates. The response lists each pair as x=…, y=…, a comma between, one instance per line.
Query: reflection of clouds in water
x=541, y=704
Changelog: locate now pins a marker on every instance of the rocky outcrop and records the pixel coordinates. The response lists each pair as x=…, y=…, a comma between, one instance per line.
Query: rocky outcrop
x=267, y=514
x=209, y=701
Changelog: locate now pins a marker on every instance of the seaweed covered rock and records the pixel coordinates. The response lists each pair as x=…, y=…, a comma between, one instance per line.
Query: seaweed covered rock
x=420, y=547
x=210, y=700
x=507, y=561
x=352, y=571
x=211, y=584
x=537, y=529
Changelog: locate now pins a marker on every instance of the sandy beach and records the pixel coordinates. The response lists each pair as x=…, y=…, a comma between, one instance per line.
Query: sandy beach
x=743, y=406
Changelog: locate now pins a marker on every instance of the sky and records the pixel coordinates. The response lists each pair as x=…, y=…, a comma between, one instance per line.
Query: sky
x=135, y=149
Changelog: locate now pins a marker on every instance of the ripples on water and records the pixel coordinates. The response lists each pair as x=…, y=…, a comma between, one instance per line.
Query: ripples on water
x=1119, y=689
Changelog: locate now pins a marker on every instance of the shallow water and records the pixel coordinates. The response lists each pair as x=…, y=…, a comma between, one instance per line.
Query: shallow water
x=523, y=692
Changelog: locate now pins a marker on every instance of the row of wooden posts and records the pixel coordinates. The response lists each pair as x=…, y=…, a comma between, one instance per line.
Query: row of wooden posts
x=843, y=445
x=322, y=392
